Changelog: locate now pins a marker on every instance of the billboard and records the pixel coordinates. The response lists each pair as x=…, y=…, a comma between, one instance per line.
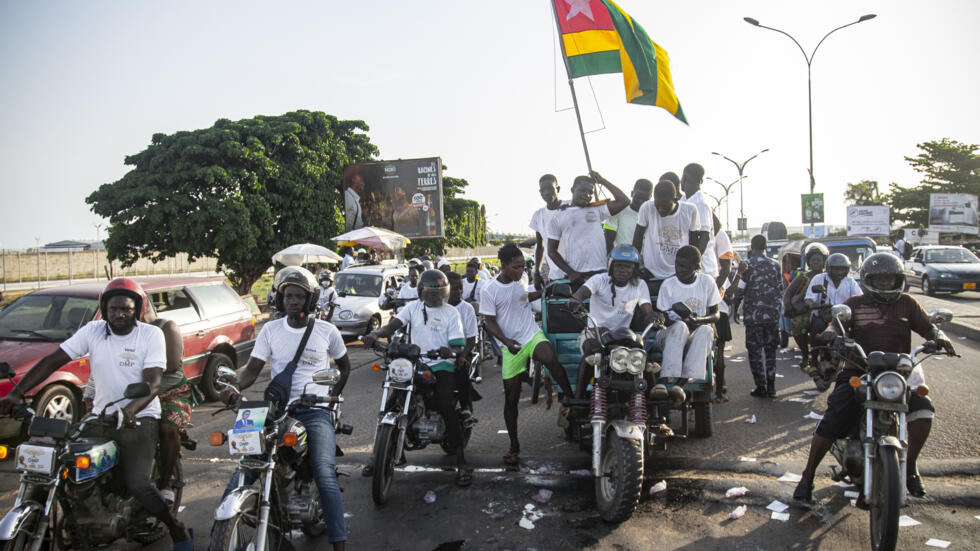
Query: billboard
x=403, y=196
x=812, y=204
x=953, y=213
x=868, y=220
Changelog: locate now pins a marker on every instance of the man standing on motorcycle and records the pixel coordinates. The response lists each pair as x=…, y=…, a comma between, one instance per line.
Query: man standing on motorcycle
x=615, y=297
x=882, y=319
x=506, y=304
x=297, y=296
x=436, y=325
x=122, y=351
x=467, y=316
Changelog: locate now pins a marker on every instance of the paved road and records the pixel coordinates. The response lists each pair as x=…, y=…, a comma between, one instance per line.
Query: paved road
x=690, y=514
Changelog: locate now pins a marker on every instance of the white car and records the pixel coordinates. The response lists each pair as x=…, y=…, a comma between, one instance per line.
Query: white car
x=358, y=289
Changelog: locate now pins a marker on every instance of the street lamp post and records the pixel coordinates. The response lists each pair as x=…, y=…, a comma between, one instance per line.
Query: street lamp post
x=95, y=252
x=741, y=190
x=809, y=90
x=728, y=191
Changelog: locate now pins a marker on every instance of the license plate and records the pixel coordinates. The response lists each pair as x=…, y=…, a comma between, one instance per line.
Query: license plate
x=969, y=286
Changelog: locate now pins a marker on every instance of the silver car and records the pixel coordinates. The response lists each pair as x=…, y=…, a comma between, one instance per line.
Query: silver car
x=358, y=310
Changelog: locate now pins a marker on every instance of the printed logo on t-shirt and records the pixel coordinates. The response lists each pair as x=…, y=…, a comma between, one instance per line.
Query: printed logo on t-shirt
x=312, y=357
x=435, y=324
x=524, y=299
x=670, y=239
x=629, y=306
x=694, y=303
x=128, y=359
x=591, y=216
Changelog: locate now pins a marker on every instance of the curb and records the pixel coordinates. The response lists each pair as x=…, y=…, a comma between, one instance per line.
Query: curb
x=963, y=330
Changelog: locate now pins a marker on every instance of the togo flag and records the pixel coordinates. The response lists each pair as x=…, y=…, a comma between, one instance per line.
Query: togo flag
x=599, y=37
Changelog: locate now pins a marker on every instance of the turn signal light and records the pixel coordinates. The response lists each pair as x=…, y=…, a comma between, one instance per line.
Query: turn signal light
x=217, y=438
x=855, y=382
x=376, y=367
x=289, y=439
x=82, y=462
x=922, y=390
x=426, y=375
x=4, y=450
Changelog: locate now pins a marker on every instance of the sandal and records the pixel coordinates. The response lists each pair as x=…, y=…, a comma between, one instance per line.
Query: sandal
x=464, y=477
x=720, y=399
x=511, y=459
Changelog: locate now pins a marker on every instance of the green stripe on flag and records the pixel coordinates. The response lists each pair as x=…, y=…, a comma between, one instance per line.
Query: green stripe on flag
x=597, y=63
x=639, y=48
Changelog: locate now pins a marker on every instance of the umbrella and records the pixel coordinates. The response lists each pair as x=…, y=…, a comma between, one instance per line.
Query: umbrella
x=376, y=238
x=305, y=253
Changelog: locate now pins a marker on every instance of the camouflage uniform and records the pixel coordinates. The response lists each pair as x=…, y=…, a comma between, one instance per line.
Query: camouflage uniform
x=762, y=291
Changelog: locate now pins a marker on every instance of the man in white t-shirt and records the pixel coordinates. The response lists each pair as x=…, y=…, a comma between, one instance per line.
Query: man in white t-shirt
x=409, y=289
x=619, y=228
x=506, y=306
x=580, y=228
x=663, y=226
x=544, y=268
x=122, y=351
x=686, y=342
x=472, y=282
x=614, y=297
x=691, y=180
x=328, y=295
x=277, y=345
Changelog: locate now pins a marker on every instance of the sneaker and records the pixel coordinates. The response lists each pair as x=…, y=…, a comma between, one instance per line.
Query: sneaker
x=169, y=496
x=914, y=485
x=759, y=392
x=804, y=491
x=678, y=394
x=663, y=430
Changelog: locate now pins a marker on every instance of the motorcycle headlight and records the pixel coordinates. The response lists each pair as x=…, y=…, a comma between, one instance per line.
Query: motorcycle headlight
x=401, y=370
x=619, y=359
x=890, y=386
x=638, y=359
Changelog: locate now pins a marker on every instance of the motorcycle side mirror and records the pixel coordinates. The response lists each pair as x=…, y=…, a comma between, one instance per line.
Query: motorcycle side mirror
x=6, y=372
x=226, y=373
x=562, y=290
x=841, y=312
x=137, y=390
x=327, y=377
x=681, y=310
x=940, y=317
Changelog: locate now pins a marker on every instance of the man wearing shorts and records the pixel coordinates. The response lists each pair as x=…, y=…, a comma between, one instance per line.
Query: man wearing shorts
x=506, y=305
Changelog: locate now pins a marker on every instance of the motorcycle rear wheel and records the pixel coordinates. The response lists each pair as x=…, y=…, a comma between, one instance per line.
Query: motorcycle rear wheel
x=617, y=489
x=239, y=532
x=25, y=538
x=886, y=488
x=385, y=451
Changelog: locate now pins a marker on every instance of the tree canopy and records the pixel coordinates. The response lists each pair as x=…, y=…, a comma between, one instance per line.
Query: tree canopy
x=239, y=191
x=946, y=166
x=862, y=194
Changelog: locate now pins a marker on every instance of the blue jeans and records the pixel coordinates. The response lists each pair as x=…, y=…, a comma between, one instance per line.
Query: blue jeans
x=322, y=444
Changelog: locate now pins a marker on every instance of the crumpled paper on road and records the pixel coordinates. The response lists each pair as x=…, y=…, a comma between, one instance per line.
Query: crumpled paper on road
x=737, y=491
x=790, y=477
x=751, y=420
x=934, y=542
x=813, y=415
x=658, y=487
x=779, y=516
x=906, y=521
x=777, y=506
x=738, y=512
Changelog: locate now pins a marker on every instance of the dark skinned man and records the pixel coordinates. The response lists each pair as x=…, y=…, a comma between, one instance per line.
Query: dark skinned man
x=664, y=226
x=619, y=228
x=548, y=189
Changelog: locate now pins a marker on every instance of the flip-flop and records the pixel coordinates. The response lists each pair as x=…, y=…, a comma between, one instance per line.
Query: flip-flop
x=720, y=400
x=511, y=458
x=464, y=477
x=186, y=545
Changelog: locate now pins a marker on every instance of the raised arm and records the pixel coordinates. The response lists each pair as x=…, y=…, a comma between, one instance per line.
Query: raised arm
x=620, y=199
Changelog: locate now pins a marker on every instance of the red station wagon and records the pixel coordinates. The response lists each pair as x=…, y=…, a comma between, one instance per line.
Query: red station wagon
x=218, y=328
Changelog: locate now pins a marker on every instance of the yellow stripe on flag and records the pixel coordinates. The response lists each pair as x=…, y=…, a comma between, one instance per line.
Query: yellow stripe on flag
x=666, y=97
x=590, y=42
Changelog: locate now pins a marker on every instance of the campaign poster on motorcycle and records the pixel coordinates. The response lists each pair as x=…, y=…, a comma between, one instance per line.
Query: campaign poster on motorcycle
x=953, y=213
x=812, y=204
x=403, y=196
x=868, y=220
x=250, y=419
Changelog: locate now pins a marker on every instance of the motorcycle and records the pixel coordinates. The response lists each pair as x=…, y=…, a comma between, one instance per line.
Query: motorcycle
x=70, y=496
x=824, y=361
x=272, y=450
x=874, y=454
x=408, y=418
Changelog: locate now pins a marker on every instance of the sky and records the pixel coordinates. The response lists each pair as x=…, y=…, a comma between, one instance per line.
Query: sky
x=482, y=85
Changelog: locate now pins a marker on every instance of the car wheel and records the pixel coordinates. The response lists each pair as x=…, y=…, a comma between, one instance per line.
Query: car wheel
x=927, y=288
x=58, y=402
x=209, y=381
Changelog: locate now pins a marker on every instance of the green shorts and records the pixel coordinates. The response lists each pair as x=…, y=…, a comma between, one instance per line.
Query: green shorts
x=515, y=364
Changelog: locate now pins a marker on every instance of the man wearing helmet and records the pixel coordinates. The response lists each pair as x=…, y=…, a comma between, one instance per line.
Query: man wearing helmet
x=297, y=294
x=882, y=319
x=328, y=295
x=435, y=325
x=122, y=350
x=828, y=289
x=794, y=298
x=615, y=297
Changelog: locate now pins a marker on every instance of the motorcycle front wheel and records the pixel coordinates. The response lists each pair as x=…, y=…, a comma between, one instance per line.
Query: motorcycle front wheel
x=385, y=456
x=25, y=537
x=617, y=488
x=886, y=488
x=241, y=531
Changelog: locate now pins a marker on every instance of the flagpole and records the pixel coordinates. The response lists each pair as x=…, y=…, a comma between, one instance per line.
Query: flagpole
x=571, y=85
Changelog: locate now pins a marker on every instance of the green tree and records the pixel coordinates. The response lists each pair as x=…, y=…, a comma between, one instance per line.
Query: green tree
x=862, y=194
x=946, y=166
x=239, y=191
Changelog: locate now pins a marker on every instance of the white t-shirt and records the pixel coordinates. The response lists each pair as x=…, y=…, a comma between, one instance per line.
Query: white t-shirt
x=468, y=288
x=723, y=250
x=581, y=230
x=467, y=316
x=624, y=222
x=509, y=304
x=484, y=274
x=664, y=235
x=698, y=296
x=615, y=313
x=118, y=361
x=835, y=295
x=899, y=248
x=709, y=263
x=326, y=296
x=277, y=343
x=408, y=292
x=433, y=328
x=540, y=222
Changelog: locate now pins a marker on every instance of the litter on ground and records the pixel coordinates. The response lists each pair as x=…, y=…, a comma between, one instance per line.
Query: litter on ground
x=777, y=506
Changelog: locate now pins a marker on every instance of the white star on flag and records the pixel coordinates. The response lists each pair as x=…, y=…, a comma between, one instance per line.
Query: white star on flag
x=576, y=7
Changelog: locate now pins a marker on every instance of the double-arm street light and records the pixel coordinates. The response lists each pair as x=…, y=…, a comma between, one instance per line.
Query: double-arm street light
x=809, y=62
x=728, y=191
x=741, y=190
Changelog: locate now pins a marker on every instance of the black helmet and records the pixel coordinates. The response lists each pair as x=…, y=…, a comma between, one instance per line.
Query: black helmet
x=433, y=288
x=300, y=277
x=886, y=265
x=838, y=260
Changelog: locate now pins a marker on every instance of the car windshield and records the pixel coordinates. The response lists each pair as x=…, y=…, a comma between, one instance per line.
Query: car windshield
x=951, y=256
x=45, y=317
x=358, y=285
